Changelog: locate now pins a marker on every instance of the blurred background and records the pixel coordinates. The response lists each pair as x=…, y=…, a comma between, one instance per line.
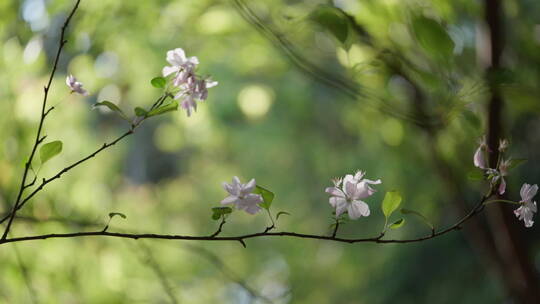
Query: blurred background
x=308, y=90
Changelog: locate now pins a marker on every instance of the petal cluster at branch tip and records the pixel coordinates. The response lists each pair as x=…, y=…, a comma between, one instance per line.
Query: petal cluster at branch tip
x=75, y=86
x=348, y=194
x=528, y=207
x=190, y=87
x=241, y=195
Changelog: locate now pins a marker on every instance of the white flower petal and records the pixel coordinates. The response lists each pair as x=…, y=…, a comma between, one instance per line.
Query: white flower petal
x=479, y=159
x=168, y=70
x=229, y=200
x=357, y=209
x=334, y=191
x=350, y=189
x=341, y=207
x=248, y=188
x=348, y=179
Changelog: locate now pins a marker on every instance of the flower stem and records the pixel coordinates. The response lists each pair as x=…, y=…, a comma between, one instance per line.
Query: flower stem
x=501, y=201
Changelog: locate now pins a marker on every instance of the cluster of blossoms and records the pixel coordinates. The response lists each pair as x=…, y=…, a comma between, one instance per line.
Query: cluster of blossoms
x=241, y=196
x=497, y=176
x=348, y=193
x=481, y=161
x=191, y=87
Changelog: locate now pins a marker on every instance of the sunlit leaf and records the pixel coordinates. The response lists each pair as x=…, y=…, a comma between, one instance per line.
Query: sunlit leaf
x=173, y=106
x=158, y=82
x=113, y=214
x=397, y=224
x=267, y=195
x=281, y=213
x=391, y=202
x=113, y=107
x=432, y=37
x=140, y=111
x=419, y=215
x=218, y=212
x=333, y=20
x=50, y=150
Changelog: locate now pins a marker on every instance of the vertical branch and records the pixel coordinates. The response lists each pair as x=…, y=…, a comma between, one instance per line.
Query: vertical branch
x=44, y=112
x=519, y=272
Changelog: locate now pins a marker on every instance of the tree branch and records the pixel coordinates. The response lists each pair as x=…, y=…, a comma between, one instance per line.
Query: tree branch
x=44, y=113
x=241, y=238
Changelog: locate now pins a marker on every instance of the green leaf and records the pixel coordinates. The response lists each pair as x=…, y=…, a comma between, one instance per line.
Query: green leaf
x=397, y=224
x=218, y=212
x=50, y=150
x=391, y=202
x=281, y=213
x=475, y=175
x=516, y=162
x=419, y=215
x=158, y=82
x=333, y=20
x=140, y=111
x=113, y=214
x=173, y=106
x=267, y=195
x=472, y=119
x=432, y=37
x=113, y=107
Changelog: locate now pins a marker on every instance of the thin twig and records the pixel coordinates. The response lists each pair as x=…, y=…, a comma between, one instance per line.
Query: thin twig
x=44, y=113
x=66, y=169
x=218, y=231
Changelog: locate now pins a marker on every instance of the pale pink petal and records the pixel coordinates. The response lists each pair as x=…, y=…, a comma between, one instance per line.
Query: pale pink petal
x=168, y=70
x=334, y=192
x=341, y=205
x=248, y=188
x=350, y=189
x=502, y=186
x=479, y=158
x=357, y=209
x=229, y=200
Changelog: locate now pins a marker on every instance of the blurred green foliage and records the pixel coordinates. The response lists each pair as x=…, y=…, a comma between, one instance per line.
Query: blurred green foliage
x=267, y=120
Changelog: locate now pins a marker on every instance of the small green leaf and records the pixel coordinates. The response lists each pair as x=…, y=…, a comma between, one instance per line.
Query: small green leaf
x=281, y=213
x=391, y=202
x=333, y=20
x=475, y=175
x=113, y=107
x=158, y=82
x=113, y=214
x=267, y=196
x=218, y=212
x=173, y=106
x=140, y=111
x=419, y=215
x=432, y=37
x=516, y=162
x=397, y=224
x=50, y=150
